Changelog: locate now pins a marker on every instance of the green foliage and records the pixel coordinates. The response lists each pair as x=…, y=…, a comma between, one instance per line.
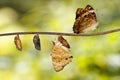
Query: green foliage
x=95, y=58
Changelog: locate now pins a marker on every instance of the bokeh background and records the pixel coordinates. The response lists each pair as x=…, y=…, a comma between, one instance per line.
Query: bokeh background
x=95, y=57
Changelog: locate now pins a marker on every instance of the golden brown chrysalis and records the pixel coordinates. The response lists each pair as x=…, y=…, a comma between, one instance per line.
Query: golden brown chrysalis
x=60, y=54
x=18, y=43
x=36, y=41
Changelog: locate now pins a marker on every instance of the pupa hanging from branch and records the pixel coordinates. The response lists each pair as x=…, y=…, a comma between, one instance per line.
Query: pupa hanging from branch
x=36, y=41
x=18, y=43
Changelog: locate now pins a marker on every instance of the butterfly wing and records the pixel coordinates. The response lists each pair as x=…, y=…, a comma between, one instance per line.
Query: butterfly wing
x=90, y=12
x=86, y=21
x=63, y=41
x=60, y=57
x=60, y=54
x=79, y=12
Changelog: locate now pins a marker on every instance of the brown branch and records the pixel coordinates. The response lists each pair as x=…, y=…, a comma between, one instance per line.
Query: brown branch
x=58, y=33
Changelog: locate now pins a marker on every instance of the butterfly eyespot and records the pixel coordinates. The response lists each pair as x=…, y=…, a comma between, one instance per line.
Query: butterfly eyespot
x=71, y=57
x=66, y=58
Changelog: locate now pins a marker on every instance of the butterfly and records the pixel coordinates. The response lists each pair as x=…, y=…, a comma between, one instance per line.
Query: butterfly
x=60, y=54
x=85, y=20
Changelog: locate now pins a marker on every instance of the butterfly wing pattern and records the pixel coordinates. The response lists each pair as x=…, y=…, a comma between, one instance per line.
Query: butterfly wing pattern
x=85, y=20
x=60, y=54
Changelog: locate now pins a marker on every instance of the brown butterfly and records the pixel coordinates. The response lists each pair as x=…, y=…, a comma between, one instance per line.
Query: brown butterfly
x=85, y=20
x=18, y=43
x=36, y=41
x=60, y=54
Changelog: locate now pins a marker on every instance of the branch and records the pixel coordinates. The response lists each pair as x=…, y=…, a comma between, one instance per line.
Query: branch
x=58, y=33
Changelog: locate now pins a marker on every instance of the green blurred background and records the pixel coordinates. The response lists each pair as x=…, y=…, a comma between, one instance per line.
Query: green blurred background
x=95, y=57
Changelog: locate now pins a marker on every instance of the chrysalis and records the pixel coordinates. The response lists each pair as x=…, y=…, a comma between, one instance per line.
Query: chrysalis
x=36, y=41
x=18, y=43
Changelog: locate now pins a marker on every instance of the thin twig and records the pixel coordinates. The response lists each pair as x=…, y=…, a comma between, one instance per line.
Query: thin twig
x=59, y=33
